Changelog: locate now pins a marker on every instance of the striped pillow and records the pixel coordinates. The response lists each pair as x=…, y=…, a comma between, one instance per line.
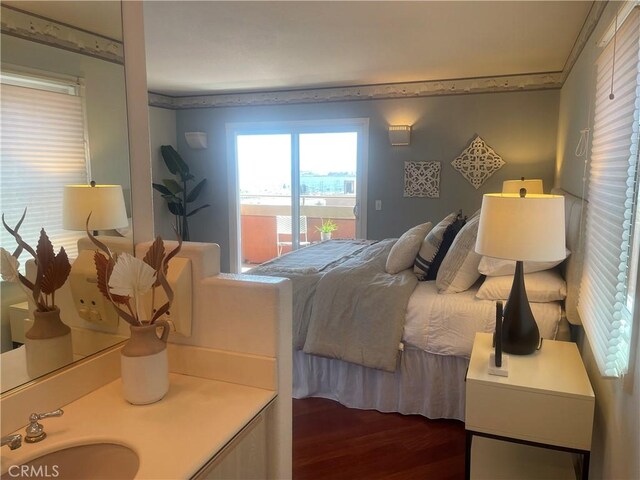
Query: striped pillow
x=430, y=246
x=459, y=270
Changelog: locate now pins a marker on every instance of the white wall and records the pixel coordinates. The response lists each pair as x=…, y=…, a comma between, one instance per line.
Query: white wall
x=616, y=439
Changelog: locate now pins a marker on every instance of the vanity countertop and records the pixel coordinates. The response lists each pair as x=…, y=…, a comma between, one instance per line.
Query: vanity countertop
x=173, y=437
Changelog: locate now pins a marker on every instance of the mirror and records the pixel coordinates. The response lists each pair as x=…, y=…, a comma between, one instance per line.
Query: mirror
x=75, y=46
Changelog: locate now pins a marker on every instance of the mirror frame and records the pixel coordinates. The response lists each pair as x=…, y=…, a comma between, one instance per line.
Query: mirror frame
x=139, y=145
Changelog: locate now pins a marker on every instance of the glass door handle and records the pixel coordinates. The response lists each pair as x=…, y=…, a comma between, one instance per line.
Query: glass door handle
x=356, y=210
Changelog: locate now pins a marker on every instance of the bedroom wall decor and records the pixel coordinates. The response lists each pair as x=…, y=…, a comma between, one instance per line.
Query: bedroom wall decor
x=422, y=179
x=478, y=162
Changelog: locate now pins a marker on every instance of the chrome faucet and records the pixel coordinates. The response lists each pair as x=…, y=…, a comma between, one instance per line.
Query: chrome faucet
x=14, y=441
x=35, y=431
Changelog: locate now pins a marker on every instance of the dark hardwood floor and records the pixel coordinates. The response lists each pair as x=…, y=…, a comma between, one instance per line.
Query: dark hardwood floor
x=334, y=442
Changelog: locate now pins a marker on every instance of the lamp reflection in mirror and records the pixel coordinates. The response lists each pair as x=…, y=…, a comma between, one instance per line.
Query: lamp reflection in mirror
x=521, y=227
x=532, y=185
x=105, y=203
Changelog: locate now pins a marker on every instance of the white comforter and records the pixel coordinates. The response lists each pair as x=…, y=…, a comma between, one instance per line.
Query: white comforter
x=447, y=324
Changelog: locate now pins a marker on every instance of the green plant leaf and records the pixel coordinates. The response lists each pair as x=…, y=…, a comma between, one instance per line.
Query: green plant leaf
x=162, y=189
x=176, y=208
x=174, y=161
x=193, y=194
x=173, y=186
x=198, y=209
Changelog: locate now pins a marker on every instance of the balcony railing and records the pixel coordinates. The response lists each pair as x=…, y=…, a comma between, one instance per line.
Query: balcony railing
x=258, y=222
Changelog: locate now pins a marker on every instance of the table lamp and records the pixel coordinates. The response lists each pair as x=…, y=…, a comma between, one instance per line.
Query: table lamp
x=521, y=227
x=105, y=203
x=532, y=185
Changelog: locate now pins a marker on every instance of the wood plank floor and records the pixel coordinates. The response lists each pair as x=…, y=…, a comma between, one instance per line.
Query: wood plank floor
x=334, y=442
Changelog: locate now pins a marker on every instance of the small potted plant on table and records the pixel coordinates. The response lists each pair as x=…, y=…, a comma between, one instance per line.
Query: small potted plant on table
x=326, y=229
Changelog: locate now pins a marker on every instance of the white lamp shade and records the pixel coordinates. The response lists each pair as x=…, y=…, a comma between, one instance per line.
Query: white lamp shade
x=533, y=186
x=527, y=228
x=105, y=203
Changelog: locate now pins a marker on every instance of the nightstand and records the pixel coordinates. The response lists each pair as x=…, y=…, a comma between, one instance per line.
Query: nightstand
x=546, y=401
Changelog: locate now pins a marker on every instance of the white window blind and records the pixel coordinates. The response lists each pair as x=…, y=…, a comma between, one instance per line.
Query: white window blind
x=43, y=148
x=604, y=304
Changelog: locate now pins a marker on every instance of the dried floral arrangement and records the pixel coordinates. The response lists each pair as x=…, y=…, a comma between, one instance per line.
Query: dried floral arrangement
x=52, y=268
x=124, y=279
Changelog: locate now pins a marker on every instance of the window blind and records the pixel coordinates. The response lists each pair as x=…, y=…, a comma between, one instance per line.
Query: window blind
x=603, y=302
x=43, y=149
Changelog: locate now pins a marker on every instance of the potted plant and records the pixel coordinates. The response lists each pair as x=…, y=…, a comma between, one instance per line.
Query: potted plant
x=327, y=227
x=124, y=279
x=177, y=192
x=48, y=342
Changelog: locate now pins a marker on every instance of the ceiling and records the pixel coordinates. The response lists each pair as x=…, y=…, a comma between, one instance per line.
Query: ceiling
x=213, y=47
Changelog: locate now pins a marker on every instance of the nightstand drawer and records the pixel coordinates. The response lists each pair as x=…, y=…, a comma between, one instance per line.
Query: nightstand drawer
x=526, y=415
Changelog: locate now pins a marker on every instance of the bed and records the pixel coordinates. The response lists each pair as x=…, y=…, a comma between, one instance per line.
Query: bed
x=413, y=357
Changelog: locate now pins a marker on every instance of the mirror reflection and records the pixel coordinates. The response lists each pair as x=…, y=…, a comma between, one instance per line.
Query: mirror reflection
x=64, y=122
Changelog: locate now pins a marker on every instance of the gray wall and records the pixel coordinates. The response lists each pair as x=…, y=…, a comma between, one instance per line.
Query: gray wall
x=616, y=440
x=162, y=126
x=519, y=126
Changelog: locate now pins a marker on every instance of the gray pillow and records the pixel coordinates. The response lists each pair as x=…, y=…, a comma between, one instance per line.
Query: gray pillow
x=430, y=246
x=459, y=269
x=404, y=251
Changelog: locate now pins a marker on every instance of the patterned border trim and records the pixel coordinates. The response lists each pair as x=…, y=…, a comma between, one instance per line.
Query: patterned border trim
x=507, y=83
x=589, y=25
x=49, y=32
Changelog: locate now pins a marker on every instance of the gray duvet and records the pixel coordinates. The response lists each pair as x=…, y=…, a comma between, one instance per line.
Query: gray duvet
x=352, y=309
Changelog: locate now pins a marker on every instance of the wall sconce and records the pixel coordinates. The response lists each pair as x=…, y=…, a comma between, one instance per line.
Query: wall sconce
x=196, y=140
x=399, y=134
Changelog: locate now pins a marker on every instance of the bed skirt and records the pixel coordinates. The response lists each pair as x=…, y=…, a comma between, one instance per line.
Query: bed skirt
x=424, y=384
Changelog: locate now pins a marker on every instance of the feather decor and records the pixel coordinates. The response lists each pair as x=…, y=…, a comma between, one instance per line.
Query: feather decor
x=123, y=279
x=52, y=269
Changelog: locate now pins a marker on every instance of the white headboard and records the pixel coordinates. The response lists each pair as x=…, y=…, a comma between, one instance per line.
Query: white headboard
x=572, y=267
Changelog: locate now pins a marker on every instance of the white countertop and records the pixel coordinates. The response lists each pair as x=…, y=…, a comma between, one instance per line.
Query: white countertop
x=173, y=437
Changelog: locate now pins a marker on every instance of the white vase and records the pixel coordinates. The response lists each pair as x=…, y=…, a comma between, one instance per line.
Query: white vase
x=144, y=364
x=325, y=236
x=47, y=344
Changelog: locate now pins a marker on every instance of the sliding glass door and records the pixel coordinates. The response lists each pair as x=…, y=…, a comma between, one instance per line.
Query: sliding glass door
x=290, y=181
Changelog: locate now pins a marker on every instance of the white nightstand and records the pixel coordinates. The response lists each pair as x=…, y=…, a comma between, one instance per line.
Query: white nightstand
x=546, y=401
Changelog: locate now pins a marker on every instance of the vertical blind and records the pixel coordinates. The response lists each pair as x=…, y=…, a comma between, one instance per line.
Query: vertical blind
x=605, y=304
x=43, y=148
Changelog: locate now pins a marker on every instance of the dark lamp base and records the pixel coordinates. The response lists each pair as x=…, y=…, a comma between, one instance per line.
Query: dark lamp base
x=520, y=335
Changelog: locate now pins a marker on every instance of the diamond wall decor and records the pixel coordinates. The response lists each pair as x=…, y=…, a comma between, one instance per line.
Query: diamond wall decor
x=422, y=179
x=478, y=162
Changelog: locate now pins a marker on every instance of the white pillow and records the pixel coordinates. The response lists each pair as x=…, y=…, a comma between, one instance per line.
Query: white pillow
x=544, y=286
x=404, y=251
x=495, y=267
x=459, y=269
x=430, y=245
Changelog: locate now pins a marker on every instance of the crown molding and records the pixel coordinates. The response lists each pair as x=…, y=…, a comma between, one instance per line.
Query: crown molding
x=507, y=83
x=504, y=83
x=35, y=28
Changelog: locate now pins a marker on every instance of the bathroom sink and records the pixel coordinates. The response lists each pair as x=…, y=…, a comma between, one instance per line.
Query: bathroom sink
x=95, y=461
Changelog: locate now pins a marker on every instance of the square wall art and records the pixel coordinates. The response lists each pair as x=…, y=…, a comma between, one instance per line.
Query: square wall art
x=422, y=179
x=478, y=162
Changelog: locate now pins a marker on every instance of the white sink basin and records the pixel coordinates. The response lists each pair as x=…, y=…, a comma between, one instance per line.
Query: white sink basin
x=96, y=461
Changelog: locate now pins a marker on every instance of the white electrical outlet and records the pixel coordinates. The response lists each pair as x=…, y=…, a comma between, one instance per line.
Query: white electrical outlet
x=179, y=278
x=90, y=304
x=378, y=204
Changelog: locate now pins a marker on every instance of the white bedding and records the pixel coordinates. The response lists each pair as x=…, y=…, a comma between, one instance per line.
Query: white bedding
x=447, y=324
